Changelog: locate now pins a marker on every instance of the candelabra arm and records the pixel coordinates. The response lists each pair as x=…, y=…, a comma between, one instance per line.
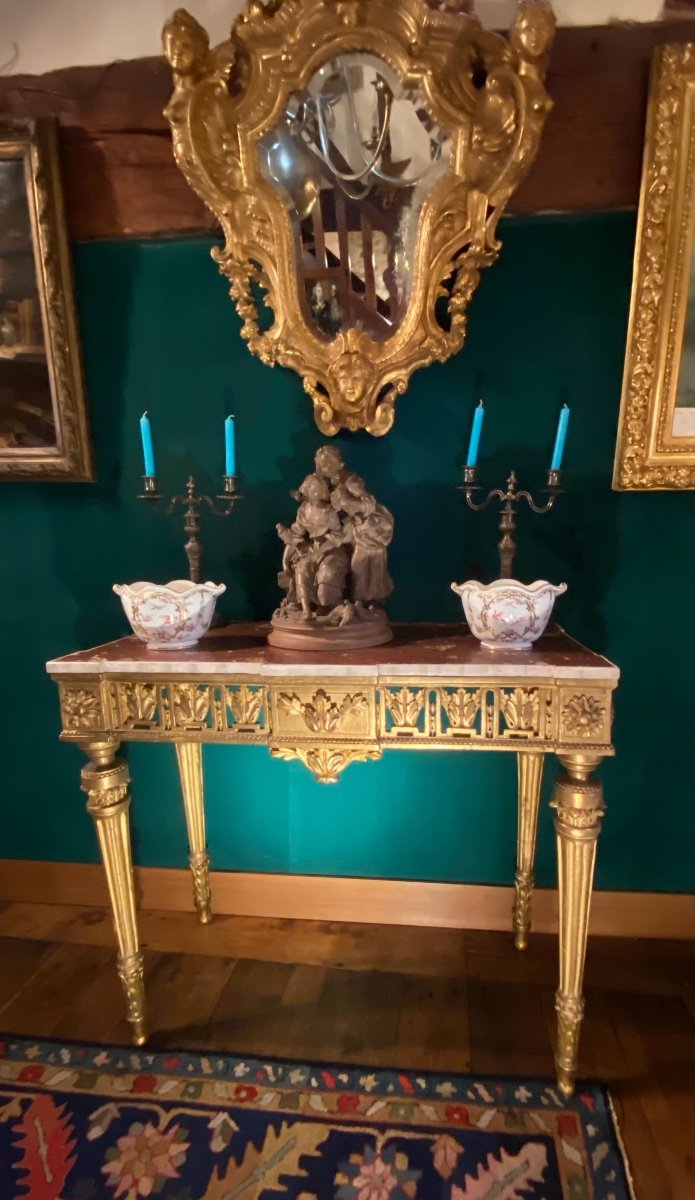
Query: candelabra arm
x=509, y=500
x=479, y=505
x=537, y=508
x=191, y=504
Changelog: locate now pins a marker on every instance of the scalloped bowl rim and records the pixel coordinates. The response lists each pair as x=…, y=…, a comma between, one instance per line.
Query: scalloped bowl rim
x=534, y=587
x=175, y=587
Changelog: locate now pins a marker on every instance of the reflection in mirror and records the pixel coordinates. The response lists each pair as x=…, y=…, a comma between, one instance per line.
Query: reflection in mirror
x=684, y=410
x=354, y=157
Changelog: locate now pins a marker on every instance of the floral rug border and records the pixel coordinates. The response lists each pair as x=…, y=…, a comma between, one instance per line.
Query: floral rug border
x=584, y=1125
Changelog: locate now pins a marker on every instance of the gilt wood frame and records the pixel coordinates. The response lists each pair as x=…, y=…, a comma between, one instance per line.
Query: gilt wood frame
x=70, y=459
x=648, y=455
x=226, y=99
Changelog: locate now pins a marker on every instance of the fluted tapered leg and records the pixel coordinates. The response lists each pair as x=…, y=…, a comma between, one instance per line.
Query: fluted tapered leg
x=190, y=760
x=578, y=804
x=530, y=774
x=105, y=779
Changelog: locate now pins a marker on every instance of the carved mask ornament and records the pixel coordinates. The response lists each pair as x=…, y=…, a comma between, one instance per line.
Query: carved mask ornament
x=358, y=157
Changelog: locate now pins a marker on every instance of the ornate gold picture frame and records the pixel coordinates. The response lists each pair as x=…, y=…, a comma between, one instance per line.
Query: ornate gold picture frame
x=43, y=423
x=656, y=430
x=358, y=157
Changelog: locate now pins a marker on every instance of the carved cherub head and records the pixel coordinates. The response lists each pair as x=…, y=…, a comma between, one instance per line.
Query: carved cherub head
x=186, y=44
x=533, y=30
x=352, y=375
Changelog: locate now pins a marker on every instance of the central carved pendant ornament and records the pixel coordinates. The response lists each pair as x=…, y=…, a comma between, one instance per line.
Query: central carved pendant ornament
x=358, y=157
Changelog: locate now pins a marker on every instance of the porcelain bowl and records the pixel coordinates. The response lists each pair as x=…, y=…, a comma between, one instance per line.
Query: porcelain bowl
x=169, y=616
x=507, y=614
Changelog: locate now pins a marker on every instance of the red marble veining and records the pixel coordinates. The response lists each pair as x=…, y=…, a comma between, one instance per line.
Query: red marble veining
x=424, y=644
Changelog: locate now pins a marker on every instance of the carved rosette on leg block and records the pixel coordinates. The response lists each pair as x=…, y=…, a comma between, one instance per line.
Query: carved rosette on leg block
x=105, y=779
x=190, y=759
x=578, y=804
x=530, y=772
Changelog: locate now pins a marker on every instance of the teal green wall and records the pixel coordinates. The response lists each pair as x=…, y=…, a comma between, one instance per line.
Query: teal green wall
x=548, y=325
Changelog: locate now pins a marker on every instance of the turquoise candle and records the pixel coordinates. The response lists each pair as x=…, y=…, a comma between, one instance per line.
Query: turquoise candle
x=560, y=438
x=229, y=447
x=147, y=447
x=476, y=429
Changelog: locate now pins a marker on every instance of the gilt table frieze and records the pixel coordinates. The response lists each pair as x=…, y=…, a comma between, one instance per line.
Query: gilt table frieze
x=434, y=687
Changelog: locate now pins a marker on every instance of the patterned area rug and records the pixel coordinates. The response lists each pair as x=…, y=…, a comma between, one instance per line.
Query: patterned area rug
x=91, y=1122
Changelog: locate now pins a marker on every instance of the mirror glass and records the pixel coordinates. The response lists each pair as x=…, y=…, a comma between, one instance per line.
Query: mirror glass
x=353, y=158
x=684, y=411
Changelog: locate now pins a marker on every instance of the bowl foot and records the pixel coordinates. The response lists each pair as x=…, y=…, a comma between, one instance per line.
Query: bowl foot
x=507, y=645
x=172, y=645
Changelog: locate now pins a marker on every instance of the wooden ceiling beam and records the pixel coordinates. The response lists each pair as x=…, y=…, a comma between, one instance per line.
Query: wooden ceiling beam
x=121, y=180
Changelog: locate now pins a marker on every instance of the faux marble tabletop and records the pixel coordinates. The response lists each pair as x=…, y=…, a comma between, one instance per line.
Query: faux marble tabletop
x=442, y=651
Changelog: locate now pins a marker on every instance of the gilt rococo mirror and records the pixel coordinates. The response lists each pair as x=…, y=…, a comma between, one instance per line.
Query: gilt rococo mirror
x=358, y=156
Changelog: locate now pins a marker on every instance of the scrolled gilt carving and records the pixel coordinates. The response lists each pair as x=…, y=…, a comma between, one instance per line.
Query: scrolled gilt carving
x=483, y=92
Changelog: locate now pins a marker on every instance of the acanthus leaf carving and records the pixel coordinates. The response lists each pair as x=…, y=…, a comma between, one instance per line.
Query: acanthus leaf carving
x=326, y=763
x=520, y=709
x=462, y=707
x=245, y=704
x=405, y=705
x=190, y=703
x=321, y=714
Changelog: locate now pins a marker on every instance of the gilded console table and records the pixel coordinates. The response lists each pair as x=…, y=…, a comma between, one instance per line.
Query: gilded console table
x=434, y=687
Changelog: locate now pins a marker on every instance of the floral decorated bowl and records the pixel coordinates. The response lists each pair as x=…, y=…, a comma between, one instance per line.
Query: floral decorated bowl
x=506, y=614
x=169, y=616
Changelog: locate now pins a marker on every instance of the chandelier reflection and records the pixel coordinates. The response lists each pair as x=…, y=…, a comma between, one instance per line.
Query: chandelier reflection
x=345, y=123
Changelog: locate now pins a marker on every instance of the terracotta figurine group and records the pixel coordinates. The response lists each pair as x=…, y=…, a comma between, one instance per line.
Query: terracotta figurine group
x=334, y=567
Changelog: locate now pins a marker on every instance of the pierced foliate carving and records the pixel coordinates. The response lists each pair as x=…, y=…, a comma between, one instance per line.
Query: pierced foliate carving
x=462, y=707
x=190, y=704
x=246, y=704
x=521, y=709
x=405, y=705
x=138, y=703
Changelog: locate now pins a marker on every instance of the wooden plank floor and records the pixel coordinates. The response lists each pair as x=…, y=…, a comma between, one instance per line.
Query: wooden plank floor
x=381, y=995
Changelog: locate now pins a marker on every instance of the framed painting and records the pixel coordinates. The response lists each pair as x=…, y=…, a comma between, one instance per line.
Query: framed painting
x=43, y=423
x=656, y=431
